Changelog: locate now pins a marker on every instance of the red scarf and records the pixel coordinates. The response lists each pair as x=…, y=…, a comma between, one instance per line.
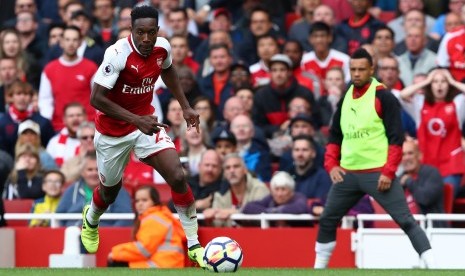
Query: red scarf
x=19, y=116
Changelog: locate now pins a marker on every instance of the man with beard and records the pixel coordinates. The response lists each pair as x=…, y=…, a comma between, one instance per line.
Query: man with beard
x=362, y=156
x=242, y=188
x=310, y=178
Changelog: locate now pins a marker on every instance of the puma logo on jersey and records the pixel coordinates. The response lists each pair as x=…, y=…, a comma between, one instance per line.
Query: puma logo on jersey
x=135, y=68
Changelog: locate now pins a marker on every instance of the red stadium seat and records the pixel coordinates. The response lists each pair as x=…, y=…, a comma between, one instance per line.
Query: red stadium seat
x=386, y=16
x=459, y=208
x=290, y=18
x=18, y=206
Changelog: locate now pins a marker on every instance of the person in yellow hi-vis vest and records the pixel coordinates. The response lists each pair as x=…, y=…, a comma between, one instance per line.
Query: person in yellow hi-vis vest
x=158, y=236
x=362, y=155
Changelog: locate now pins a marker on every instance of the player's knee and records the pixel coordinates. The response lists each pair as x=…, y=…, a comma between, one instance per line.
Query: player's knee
x=109, y=193
x=407, y=223
x=177, y=179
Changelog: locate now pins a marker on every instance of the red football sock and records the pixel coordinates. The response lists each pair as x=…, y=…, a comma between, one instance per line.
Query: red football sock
x=183, y=200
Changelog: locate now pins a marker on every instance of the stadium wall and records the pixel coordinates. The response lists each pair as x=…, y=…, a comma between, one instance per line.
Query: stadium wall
x=274, y=247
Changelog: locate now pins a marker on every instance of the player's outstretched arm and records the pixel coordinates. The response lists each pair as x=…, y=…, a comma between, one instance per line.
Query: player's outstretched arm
x=99, y=100
x=170, y=78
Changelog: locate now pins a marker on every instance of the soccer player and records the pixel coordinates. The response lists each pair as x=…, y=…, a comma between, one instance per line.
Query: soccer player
x=122, y=94
x=364, y=150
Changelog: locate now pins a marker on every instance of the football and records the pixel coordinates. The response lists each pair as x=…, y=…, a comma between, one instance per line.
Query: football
x=223, y=254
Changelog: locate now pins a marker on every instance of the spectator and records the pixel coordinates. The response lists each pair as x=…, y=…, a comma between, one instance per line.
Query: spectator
x=65, y=144
x=295, y=52
x=240, y=75
x=267, y=47
x=8, y=74
x=175, y=120
x=29, y=133
x=283, y=200
x=194, y=144
x=242, y=189
x=55, y=91
x=52, y=183
x=202, y=54
x=246, y=94
x=322, y=57
x=206, y=182
x=254, y=152
x=383, y=42
x=439, y=115
x=324, y=13
x=311, y=179
x=217, y=86
x=334, y=85
x=178, y=21
x=415, y=18
x=224, y=141
x=67, y=9
x=260, y=24
x=80, y=193
x=25, y=180
x=105, y=23
x=301, y=27
x=180, y=53
x=71, y=168
x=32, y=44
x=232, y=108
x=19, y=111
x=157, y=234
x=439, y=28
x=89, y=46
x=417, y=59
x=388, y=72
x=205, y=108
x=450, y=54
x=6, y=165
x=55, y=33
x=124, y=18
x=10, y=47
x=398, y=24
x=423, y=182
x=164, y=8
x=269, y=110
x=360, y=27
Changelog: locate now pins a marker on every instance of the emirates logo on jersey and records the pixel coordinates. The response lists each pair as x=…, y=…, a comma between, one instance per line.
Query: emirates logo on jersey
x=148, y=85
x=159, y=62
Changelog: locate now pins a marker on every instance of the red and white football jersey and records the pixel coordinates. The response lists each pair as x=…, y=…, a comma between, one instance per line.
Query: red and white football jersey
x=260, y=74
x=312, y=64
x=130, y=77
x=451, y=53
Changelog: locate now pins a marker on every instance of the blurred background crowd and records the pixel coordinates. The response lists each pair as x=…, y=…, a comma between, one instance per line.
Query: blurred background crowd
x=265, y=76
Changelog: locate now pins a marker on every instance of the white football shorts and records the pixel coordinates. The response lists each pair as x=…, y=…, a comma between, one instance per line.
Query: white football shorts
x=113, y=152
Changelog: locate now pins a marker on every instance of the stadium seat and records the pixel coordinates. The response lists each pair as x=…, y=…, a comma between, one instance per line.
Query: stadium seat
x=448, y=198
x=459, y=208
x=386, y=16
x=18, y=206
x=290, y=18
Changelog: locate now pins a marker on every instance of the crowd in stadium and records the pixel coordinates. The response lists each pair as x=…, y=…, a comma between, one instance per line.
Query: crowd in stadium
x=265, y=77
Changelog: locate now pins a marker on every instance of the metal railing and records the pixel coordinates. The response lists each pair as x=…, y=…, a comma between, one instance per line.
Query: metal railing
x=264, y=219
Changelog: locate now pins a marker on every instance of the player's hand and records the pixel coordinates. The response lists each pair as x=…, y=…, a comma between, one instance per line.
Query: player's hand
x=336, y=174
x=149, y=124
x=384, y=183
x=192, y=118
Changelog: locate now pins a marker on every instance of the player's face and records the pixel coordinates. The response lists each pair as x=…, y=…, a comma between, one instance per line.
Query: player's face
x=360, y=71
x=142, y=201
x=281, y=195
x=144, y=33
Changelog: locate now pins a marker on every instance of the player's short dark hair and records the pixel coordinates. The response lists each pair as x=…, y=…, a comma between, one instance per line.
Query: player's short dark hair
x=320, y=26
x=219, y=46
x=72, y=27
x=362, y=53
x=143, y=12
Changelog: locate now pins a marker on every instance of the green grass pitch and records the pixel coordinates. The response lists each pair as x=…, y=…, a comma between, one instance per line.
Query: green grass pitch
x=242, y=271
